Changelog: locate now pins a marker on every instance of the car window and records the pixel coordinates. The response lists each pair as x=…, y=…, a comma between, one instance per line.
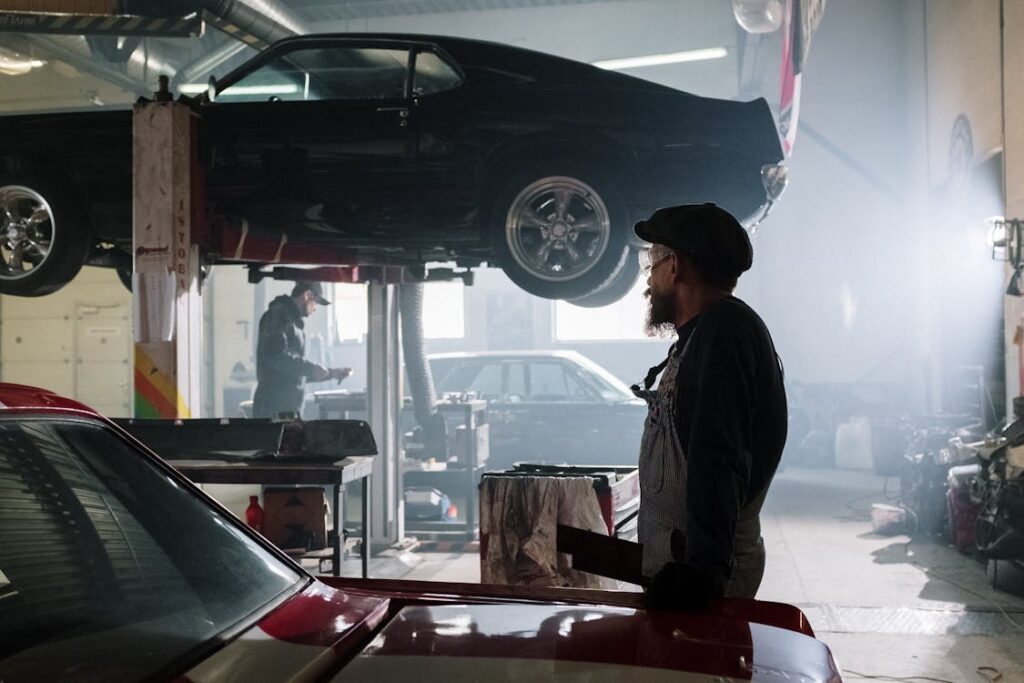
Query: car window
x=487, y=383
x=109, y=569
x=324, y=73
x=433, y=74
x=550, y=382
x=601, y=386
x=515, y=389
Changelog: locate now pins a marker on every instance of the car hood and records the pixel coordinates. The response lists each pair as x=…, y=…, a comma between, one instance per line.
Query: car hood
x=398, y=631
x=519, y=642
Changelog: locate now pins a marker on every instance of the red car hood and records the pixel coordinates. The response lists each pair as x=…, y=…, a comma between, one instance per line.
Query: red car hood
x=545, y=642
x=374, y=633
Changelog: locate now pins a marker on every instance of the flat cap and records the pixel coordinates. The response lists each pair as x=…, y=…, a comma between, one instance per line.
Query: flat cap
x=706, y=232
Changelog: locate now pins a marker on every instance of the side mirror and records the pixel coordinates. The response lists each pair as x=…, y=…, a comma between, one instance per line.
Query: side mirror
x=211, y=89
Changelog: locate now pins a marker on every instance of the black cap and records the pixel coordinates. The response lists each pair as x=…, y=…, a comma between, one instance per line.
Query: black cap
x=706, y=232
x=315, y=287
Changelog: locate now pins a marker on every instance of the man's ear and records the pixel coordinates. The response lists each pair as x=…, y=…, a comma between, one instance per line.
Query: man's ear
x=680, y=268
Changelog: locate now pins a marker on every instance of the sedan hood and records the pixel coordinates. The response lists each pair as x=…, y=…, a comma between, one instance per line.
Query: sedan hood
x=599, y=643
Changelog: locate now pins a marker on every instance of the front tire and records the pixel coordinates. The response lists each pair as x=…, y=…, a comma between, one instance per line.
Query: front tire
x=560, y=235
x=43, y=243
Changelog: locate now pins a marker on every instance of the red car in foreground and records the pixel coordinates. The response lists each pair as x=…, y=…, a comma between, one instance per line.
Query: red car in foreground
x=115, y=568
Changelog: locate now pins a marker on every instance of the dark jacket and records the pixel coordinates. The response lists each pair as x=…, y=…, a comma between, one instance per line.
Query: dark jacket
x=731, y=421
x=281, y=365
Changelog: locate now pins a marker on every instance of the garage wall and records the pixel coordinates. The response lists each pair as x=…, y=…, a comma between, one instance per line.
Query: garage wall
x=1013, y=112
x=76, y=341
x=965, y=178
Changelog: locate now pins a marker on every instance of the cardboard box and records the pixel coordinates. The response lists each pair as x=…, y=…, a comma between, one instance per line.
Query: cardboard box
x=295, y=517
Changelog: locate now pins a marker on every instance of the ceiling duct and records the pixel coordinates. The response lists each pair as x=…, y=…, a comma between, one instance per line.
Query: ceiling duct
x=258, y=22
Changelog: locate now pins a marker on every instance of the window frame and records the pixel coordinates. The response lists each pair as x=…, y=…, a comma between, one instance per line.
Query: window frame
x=289, y=46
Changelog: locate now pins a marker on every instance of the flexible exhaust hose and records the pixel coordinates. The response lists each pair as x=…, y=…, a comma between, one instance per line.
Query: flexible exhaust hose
x=421, y=380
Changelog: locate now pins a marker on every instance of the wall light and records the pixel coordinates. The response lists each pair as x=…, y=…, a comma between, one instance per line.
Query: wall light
x=664, y=58
x=1006, y=237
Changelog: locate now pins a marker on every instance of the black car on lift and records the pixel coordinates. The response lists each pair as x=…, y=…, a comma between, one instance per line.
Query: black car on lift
x=409, y=149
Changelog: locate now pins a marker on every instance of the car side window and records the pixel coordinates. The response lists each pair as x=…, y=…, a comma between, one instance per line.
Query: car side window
x=325, y=73
x=550, y=382
x=515, y=388
x=433, y=75
x=487, y=383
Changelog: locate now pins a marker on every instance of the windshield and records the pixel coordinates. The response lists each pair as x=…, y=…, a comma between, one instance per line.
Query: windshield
x=109, y=569
x=611, y=388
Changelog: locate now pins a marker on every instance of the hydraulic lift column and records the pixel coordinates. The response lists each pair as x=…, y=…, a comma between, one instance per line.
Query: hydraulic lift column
x=383, y=397
x=167, y=311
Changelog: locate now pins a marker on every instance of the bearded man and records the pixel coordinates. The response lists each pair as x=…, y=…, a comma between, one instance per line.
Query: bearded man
x=716, y=421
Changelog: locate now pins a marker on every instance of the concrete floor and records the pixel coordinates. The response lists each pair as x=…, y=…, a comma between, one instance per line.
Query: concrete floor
x=888, y=606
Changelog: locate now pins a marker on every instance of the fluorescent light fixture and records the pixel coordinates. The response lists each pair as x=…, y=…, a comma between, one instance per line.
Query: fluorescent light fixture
x=665, y=58
x=196, y=88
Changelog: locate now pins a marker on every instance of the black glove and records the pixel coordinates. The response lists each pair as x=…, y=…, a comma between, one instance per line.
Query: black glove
x=682, y=586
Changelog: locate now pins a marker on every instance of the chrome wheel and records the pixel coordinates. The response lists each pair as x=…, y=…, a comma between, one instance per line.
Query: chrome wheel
x=557, y=228
x=26, y=231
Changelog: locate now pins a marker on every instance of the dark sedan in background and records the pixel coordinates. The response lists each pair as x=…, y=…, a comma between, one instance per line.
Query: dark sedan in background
x=547, y=406
x=406, y=149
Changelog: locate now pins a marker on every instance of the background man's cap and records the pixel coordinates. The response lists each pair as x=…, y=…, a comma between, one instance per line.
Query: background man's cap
x=315, y=287
x=708, y=233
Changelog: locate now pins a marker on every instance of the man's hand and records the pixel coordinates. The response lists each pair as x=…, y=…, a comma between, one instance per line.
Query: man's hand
x=682, y=586
x=339, y=373
x=320, y=373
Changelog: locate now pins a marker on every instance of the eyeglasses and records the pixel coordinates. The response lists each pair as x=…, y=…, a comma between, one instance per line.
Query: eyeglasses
x=653, y=256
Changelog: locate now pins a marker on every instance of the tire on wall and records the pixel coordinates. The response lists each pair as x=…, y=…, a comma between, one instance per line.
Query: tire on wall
x=560, y=233
x=43, y=241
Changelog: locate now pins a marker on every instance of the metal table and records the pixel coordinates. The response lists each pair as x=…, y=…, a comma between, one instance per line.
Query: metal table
x=336, y=474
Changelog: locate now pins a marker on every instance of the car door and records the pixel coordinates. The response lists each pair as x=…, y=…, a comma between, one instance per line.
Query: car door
x=450, y=153
x=315, y=136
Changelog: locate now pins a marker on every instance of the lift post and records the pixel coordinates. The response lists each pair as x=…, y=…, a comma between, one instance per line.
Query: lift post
x=167, y=310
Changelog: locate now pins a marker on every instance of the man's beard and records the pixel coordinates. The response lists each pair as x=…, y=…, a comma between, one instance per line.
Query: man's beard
x=660, y=315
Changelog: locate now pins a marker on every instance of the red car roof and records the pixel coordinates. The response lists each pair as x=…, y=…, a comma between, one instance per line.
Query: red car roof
x=21, y=397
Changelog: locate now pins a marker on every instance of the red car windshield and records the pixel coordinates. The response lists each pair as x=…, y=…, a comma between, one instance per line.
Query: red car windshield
x=109, y=569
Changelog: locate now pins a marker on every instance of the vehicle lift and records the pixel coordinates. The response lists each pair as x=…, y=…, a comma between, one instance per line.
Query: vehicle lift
x=169, y=230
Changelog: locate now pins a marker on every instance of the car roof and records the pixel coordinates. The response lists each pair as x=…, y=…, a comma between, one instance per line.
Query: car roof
x=499, y=56
x=24, y=397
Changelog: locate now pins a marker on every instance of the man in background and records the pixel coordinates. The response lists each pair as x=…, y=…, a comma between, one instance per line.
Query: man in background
x=281, y=366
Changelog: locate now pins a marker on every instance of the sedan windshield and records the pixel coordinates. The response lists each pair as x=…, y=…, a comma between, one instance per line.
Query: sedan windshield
x=109, y=569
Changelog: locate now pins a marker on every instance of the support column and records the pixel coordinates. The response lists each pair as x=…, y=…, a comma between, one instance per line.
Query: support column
x=167, y=310
x=383, y=381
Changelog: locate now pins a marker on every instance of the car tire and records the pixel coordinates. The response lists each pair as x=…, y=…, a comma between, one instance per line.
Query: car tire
x=538, y=237
x=43, y=240
x=124, y=274
x=614, y=290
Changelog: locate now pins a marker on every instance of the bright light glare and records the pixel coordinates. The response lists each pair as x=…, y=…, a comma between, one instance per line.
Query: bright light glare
x=196, y=88
x=998, y=234
x=443, y=311
x=623, y=319
x=660, y=59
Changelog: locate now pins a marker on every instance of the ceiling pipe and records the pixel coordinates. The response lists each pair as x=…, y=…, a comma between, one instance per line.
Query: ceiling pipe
x=266, y=22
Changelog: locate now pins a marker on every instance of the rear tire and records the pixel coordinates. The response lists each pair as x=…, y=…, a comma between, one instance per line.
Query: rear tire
x=560, y=233
x=620, y=285
x=43, y=240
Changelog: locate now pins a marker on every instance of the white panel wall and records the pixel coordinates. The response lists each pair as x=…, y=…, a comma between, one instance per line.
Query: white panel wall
x=76, y=341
